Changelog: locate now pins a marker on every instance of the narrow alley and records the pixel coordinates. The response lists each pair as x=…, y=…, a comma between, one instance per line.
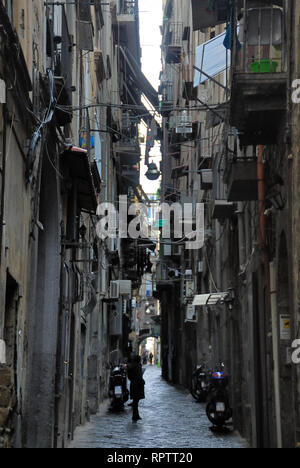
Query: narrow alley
x=170, y=418
x=149, y=214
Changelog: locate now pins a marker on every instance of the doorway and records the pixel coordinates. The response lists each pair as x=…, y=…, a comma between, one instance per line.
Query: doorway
x=10, y=321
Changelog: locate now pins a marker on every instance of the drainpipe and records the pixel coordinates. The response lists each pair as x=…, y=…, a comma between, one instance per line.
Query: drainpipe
x=275, y=339
x=270, y=278
x=242, y=244
x=4, y=157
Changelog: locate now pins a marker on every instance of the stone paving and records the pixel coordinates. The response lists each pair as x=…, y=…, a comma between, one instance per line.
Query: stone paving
x=171, y=418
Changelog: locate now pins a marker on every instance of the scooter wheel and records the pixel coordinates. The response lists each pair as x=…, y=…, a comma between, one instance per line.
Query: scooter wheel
x=213, y=416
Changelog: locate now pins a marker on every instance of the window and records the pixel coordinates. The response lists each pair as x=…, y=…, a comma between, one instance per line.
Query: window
x=9, y=9
x=265, y=27
x=85, y=29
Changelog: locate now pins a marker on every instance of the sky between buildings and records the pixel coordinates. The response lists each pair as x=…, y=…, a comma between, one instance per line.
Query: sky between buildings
x=151, y=18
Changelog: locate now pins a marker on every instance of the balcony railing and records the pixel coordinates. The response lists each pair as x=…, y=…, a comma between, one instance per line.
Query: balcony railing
x=174, y=35
x=127, y=148
x=262, y=40
x=173, y=42
x=259, y=78
x=182, y=123
x=167, y=92
x=127, y=7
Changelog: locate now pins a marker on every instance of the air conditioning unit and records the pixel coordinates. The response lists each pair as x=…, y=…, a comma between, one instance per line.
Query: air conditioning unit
x=114, y=290
x=184, y=123
x=125, y=287
x=191, y=314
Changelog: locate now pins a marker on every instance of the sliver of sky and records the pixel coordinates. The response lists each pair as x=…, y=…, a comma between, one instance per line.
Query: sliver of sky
x=151, y=18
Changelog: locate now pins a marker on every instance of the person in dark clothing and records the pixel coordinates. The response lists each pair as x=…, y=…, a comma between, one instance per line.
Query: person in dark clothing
x=137, y=384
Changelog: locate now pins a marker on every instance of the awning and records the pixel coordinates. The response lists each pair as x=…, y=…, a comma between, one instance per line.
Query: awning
x=210, y=299
x=147, y=244
x=217, y=115
x=79, y=165
x=140, y=80
x=212, y=58
x=179, y=171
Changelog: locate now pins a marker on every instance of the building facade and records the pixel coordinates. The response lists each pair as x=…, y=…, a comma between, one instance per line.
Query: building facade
x=230, y=127
x=69, y=117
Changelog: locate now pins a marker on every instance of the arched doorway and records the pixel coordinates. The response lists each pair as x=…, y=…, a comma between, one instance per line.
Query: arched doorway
x=148, y=345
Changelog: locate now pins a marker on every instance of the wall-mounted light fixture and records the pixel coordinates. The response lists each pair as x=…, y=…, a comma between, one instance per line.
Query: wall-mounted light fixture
x=153, y=172
x=276, y=199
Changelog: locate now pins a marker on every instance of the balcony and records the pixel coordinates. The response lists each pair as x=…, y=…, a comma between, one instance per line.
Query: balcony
x=259, y=78
x=127, y=18
x=242, y=180
x=62, y=56
x=174, y=42
x=167, y=92
x=128, y=152
x=222, y=210
x=206, y=176
x=130, y=176
x=205, y=16
x=182, y=124
x=128, y=149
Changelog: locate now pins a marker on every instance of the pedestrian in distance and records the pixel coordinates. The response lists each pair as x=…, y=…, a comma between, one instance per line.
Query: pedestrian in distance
x=137, y=384
x=151, y=358
x=145, y=357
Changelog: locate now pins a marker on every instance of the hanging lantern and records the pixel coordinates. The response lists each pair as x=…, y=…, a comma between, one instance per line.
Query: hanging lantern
x=152, y=173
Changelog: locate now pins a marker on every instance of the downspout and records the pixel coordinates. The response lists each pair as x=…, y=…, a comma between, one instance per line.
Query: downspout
x=271, y=295
x=275, y=340
x=242, y=244
x=4, y=111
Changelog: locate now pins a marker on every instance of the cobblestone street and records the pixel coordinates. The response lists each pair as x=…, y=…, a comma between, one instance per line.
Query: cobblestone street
x=170, y=419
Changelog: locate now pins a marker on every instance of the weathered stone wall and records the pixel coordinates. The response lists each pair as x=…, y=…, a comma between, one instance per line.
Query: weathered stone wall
x=294, y=216
x=7, y=404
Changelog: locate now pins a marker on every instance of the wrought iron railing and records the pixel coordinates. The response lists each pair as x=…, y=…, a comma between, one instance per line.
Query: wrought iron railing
x=175, y=35
x=127, y=7
x=260, y=45
x=167, y=91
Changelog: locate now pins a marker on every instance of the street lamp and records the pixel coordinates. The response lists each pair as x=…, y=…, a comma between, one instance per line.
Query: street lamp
x=152, y=173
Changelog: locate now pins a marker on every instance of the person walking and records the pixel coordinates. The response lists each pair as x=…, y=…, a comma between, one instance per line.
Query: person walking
x=137, y=384
x=150, y=358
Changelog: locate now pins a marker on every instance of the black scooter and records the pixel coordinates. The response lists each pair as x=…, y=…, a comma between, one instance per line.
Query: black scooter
x=118, y=391
x=200, y=384
x=218, y=409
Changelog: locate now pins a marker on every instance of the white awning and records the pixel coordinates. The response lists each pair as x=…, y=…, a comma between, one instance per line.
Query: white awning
x=209, y=299
x=211, y=57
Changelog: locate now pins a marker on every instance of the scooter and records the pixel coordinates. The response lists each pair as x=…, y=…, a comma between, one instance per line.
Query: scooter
x=200, y=384
x=118, y=391
x=218, y=409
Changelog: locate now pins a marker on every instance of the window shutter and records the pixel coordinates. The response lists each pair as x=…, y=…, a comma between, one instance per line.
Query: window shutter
x=99, y=66
x=99, y=14
x=85, y=30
